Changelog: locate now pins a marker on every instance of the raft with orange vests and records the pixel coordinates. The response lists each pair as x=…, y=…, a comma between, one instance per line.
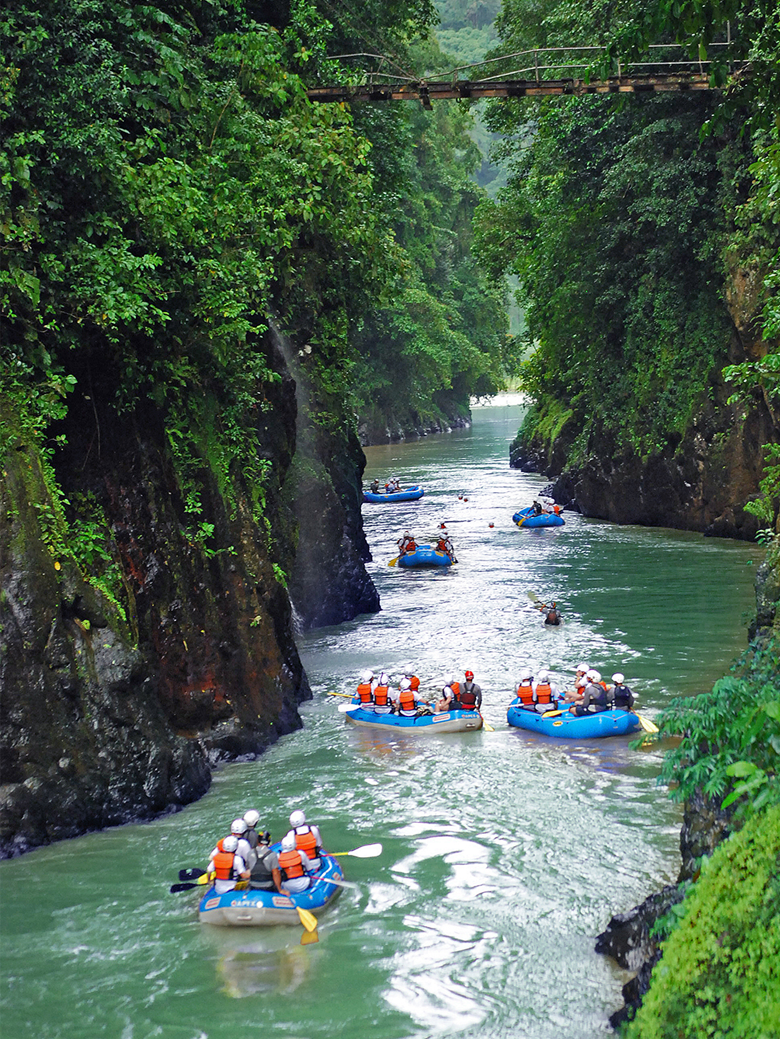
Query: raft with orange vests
x=444, y=721
x=564, y=724
x=526, y=518
x=253, y=908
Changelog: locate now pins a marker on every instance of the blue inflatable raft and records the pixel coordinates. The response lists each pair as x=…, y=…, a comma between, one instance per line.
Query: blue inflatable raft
x=568, y=726
x=446, y=721
x=425, y=555
x=525, y=518
x=252, y=908
x=409, y=494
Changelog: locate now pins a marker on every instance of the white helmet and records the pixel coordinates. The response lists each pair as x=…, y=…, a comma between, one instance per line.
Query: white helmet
x=618, y=679
x=230, y=843
x=593, y=675
x=541, y=675
x=366, y=676
x=384, y=678
x=251, y=818
x=527, y=676
x=584, y=668
x=405, y=684
x=297, y=818
x=288, y=842
x=238, y=826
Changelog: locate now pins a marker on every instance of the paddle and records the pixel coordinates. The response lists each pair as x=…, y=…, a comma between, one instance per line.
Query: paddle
x=646, y=724
x=486, y=725
x=309, y=920
x=551, y=714
x=346, y=708
x=191, y=874
x=186, y=887
x=393, y=561
x=338, y=883
x=347, y=696
x=367, y=851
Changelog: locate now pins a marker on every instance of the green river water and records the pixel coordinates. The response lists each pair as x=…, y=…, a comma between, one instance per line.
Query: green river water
x=504, y=853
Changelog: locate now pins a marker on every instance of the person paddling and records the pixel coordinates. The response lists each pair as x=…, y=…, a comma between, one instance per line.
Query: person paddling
x=307, y=838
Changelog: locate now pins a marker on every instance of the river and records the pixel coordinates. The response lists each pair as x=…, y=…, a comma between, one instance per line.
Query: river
x=504, y=854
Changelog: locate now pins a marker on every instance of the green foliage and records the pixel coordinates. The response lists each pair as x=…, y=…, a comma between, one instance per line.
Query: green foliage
x=720, y=970
x=731, y=733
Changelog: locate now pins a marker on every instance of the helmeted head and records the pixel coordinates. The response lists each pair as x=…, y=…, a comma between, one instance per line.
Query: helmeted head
x=230, y=844
x=593, y=675
x=238, y=826
x=297, y=818
x=384, y=678
x=469, y=676
x=618, y=679
x=264, y=838
x=527, y=676
x=288, y=842
x=251, y=818
x=543, y=675
x=404, y=684
x=582, y=669
x=366, y=676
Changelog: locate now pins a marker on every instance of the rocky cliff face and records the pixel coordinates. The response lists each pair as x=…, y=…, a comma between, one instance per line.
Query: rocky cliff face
x=699, y=482
x=119, y=696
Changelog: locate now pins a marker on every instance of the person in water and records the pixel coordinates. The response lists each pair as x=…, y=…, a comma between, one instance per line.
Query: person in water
x=307, y=838
x=552, y=614
x=266, y=875
x=406, y=544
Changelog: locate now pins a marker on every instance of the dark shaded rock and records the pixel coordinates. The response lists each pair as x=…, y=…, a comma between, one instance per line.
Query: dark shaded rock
x=627, y=940
x=705, y=825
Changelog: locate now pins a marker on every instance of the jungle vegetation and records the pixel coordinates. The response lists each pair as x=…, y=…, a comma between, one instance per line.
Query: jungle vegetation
x=627, y=225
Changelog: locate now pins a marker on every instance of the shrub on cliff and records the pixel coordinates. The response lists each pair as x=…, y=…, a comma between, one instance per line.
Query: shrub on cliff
x=720, y=972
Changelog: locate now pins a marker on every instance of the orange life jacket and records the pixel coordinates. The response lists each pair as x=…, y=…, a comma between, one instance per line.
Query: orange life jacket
x=381, y=698
x=306, y=842
x=364, y=692
x=223, y=865
x=455, y=687
x=406, y=700
x=441, y=545
x=290, y=864
x=525, y=694
x=543, y=693
x=414, y=682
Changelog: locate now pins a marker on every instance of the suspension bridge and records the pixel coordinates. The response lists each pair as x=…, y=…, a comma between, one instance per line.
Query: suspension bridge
x=542, y=72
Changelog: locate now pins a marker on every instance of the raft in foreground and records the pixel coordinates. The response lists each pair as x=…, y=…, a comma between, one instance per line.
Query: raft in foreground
x=525, y=518
x=446, y=721
x=409, y=494
x=425, y=555
x=568, y=726
x=251, y=908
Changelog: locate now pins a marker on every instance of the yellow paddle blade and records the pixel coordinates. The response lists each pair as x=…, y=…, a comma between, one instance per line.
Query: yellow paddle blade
x=205, y=879
x=551, y=714
x=308, y=937
x=393, y=561
x=309, y=920
x=646, y=724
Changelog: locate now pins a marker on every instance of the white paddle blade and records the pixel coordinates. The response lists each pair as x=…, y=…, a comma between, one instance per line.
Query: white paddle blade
x=345, y=708
x=368, y=851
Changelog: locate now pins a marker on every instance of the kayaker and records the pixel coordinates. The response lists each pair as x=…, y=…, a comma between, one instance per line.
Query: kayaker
x=307, y=838
x=406, y=544
x=266, y=875
x=374, y=486
x=227, y=866
x=294, y=867
x=622, y=697
x=552, y=614
x=470, y=696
